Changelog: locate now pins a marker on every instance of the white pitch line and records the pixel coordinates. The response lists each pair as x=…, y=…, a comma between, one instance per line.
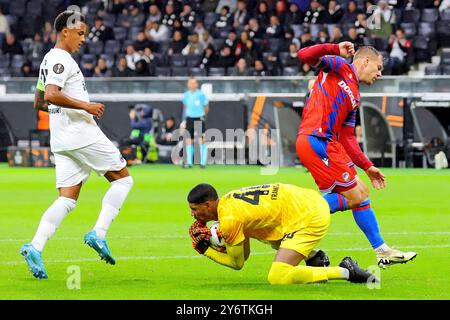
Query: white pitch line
x=17, y=262
x=186, y=237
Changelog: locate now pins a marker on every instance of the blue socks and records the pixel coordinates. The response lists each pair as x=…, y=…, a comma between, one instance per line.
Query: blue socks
x=203, y=154
x=363, y=215
x=336, y=202
x=189, y=154
x=367, y=222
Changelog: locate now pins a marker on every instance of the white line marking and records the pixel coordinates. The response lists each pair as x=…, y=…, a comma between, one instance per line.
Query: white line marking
x=349, y=234
x=16, y=262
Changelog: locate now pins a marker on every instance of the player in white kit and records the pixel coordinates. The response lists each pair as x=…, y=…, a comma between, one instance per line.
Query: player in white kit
x=78, y=144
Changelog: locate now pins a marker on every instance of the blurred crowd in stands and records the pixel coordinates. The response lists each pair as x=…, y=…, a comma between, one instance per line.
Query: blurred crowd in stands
x=136, y=38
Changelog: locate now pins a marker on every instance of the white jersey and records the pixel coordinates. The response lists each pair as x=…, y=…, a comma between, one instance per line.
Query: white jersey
x=70, y=129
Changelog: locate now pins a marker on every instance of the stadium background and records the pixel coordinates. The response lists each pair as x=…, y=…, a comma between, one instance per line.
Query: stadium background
x=401, y=114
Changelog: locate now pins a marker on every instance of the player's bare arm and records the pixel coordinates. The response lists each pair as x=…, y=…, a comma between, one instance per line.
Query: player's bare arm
x=54, y=96
x=376, y=177
x=39, y=101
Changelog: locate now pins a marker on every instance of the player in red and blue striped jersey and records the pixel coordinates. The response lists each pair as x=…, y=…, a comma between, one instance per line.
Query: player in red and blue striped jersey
x=326, y=142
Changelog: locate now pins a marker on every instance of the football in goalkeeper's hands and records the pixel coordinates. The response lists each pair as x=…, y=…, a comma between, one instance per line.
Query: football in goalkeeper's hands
x=216, y=240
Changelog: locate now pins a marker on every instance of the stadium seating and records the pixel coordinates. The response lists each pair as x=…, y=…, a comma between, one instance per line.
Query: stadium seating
x=427, y=28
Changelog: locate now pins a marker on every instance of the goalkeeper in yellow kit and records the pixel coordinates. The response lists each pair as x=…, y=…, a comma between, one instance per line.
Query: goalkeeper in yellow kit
x=291, y=219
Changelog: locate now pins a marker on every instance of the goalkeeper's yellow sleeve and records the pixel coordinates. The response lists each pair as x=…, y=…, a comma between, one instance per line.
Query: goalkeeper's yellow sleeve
x=233, y=258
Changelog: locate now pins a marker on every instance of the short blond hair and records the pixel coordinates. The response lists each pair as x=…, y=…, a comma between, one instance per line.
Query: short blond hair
x=366, y=51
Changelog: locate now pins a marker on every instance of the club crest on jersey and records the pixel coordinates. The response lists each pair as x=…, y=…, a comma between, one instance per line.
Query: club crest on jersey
x=58, y=68
x=325, y=160
x=346, y=176
x=347, y=89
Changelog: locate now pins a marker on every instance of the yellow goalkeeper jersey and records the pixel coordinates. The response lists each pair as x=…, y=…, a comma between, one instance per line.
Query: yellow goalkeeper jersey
x=266, y=212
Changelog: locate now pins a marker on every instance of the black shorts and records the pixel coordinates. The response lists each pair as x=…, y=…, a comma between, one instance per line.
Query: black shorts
x=194, y=125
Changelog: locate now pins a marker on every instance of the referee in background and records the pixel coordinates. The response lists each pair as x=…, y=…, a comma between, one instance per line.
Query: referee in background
x=195, y=110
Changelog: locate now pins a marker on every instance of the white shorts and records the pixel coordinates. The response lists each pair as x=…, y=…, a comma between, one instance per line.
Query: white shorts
x=74, y=166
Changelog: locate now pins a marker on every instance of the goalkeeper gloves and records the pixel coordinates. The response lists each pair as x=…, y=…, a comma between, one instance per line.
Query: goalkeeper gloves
x=200, y=235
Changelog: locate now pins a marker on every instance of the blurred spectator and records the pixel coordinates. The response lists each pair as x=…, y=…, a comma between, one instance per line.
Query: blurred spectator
x=240, y=16
x=383, y=18
x=169, y=15
x=254, y=30
x=100, y=32
x=36, y=47
x=158, y=32
x=287, y=40
x=445, y=4
x=206, y=39
x=27, y=71
x=240, y=69
x=352, y=36
x=194, y=46
x=225, y=18
x=260, y=69
x=137, y=18
x=293, y=15
x=263, y=14
x=315, y=14
x=177, y=44
x=209, y=57
x=241, y=43
x=250, y=53
x=48, y=31
x=50, y=43
x=209, y=5
x=307, y=71
x=177, y=26
x=231, y=41
x=142, y=68
x=280, y=11
x=350, y=14
x=132, y=57
x=399, y=48
x=154, y=14
x=187, y=16
x=225, y=59
x=164, y=137
x=122, y=69
x=323, y=37
x=142, y=42
x=274, y=29
x=361, y=24
x=141, y=123
x=337, y=35
x=231, y=4
x=4, y=26
x=272, y=64
x=101, y=70
x=11, y=46
x=306, y=39
x=334, y=13
x=199, y=28
x=152, y=61
x=292, y=59
x=88, y=69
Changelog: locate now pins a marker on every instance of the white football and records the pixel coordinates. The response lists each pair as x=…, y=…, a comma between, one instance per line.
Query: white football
x=216, y=239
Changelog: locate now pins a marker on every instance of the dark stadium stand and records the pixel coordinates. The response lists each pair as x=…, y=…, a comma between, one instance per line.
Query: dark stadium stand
x=426, y=26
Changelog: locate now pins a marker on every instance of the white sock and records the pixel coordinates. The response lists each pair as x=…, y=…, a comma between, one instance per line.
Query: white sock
x=51, y=220
x=345, y=273
x=382, y=249
x=112, y=202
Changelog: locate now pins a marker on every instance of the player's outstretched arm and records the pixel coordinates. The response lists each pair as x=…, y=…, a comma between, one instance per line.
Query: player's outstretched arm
x=54, y=96
x=312, y=54
x=233, y=258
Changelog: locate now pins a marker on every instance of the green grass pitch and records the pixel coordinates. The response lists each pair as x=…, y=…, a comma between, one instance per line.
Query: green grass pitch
x=155, y=260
